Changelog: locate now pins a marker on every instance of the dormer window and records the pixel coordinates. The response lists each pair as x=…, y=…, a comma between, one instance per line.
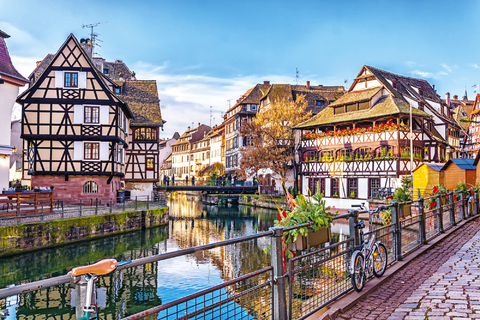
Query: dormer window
x=421, y=92
x=117, y=90
x=71, y=79
x=319, y=103
x=395, y=84
x=105, y=71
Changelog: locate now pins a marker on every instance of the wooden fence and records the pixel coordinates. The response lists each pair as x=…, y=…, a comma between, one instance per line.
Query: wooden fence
x=25, y=204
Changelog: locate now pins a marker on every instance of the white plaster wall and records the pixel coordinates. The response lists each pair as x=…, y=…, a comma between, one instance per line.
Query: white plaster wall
x=8, y=94
x=373, y=83
x=141, y=190
x=4, y=171
x=362, y=188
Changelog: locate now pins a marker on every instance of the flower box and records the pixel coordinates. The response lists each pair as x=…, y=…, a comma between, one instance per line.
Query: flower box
x=406, y=211
x=313, y=239
x=27, y=191
x=8, y=191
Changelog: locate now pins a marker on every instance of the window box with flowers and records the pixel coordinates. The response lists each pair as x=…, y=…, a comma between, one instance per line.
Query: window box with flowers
x=389, y=125
x=305, y=210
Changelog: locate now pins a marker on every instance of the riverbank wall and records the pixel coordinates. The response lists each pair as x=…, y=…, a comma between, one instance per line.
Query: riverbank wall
x=260, y=201
x=21, y=238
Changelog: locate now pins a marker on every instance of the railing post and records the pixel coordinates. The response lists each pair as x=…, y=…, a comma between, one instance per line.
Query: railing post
x=123, y=204
x=111, y=206
x=354, y=234
x=475, y=203
x=422, y=234
x=452, y=209
x=135, y=203
x=96, y=206
x=62, y=209
x=439, y=214
x=279, y=292
x=397, y=232
x=462, y=206
x=148, y=205
x=80, y=207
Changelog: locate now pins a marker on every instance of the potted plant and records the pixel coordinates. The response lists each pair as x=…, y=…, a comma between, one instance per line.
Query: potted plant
x=437, y=191
x=306, y=210
x=51, y=188
x=352, y=195
x=402, y=195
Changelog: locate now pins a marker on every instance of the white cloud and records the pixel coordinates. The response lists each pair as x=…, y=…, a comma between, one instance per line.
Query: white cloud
x=429, y=75
x=187, y=98
x=410, y=64
x=423, y=74
x=446, y=67
x=474, y=66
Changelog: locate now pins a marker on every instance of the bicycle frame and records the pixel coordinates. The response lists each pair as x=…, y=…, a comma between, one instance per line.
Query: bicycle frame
x=366, y=250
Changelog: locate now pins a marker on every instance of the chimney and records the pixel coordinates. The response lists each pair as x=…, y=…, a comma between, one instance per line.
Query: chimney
x=86, y=45
x=188, y=128
x=455, y=97
x=447, y=100
x=199, y=124
x=266, y=82
x=308, y=85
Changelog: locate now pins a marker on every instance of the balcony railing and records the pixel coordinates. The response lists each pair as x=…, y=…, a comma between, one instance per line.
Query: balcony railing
x=364, y=167
x=361, y=138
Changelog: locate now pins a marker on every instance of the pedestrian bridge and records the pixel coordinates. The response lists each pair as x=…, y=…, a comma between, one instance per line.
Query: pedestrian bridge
x=214, y=189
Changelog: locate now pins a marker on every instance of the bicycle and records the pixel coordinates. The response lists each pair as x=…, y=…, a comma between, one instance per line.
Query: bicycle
x=372, y=256
x=91, y=273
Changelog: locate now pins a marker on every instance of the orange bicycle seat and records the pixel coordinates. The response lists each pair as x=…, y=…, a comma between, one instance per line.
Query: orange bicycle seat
x=99, y=269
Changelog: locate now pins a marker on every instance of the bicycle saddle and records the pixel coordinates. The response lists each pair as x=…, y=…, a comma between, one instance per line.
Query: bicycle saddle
x=100, y=268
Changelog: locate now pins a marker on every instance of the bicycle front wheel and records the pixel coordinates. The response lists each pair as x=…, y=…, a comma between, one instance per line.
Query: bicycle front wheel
x=358, y=271
x=379, y=259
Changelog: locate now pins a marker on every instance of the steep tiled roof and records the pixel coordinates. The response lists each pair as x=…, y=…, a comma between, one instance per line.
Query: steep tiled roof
x=386, y=106
x=142, y=98
x=6, y=65
x=312, y=94
x=41, y=66
x=357, y=95
x=252, y=95
x=117, y=70
x=198, y=135
x=404, y=88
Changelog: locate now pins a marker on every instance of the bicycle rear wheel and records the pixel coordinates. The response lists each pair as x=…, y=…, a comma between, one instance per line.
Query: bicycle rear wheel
x=358, y=271
x=379, y=259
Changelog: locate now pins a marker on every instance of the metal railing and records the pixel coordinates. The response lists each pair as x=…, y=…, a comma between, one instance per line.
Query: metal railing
x=305, y=283
x=47, y=210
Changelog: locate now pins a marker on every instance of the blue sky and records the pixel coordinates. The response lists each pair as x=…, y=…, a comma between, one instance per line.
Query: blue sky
x=203, y=53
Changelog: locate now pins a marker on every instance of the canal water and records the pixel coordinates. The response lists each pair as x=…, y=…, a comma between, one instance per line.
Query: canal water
x=135, y=289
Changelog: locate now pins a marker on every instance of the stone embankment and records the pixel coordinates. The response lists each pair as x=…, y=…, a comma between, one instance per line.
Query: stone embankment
x=38, y=235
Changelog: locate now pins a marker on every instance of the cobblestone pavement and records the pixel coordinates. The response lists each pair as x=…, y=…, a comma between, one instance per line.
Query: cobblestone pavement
x=442, y=283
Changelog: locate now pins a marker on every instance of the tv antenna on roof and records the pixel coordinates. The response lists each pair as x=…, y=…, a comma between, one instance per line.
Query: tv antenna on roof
x=93, y=35
x=229, y=102
x=297, y=74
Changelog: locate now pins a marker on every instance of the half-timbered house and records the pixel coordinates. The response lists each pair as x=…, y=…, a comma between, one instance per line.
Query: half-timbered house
x=10, y=81
x=142, y=156
x=360, y=144
x=75, y=128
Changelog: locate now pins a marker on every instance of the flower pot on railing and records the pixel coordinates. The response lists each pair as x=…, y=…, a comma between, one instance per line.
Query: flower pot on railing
x=405, y=211
x=313, y=239
x=27, y=191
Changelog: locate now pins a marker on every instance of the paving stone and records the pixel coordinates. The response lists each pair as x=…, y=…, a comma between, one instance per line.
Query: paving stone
x=442, y=283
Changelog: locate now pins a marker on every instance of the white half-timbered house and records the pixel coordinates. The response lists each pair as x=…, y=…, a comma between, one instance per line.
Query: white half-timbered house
x=75, y=128
x=360, y=144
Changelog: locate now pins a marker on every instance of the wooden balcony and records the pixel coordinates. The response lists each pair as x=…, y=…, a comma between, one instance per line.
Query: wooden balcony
x=359, y=168
x=360, y=139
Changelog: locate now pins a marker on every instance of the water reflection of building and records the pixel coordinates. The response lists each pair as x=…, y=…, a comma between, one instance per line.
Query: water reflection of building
x=119, y=294
x=194, y=224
